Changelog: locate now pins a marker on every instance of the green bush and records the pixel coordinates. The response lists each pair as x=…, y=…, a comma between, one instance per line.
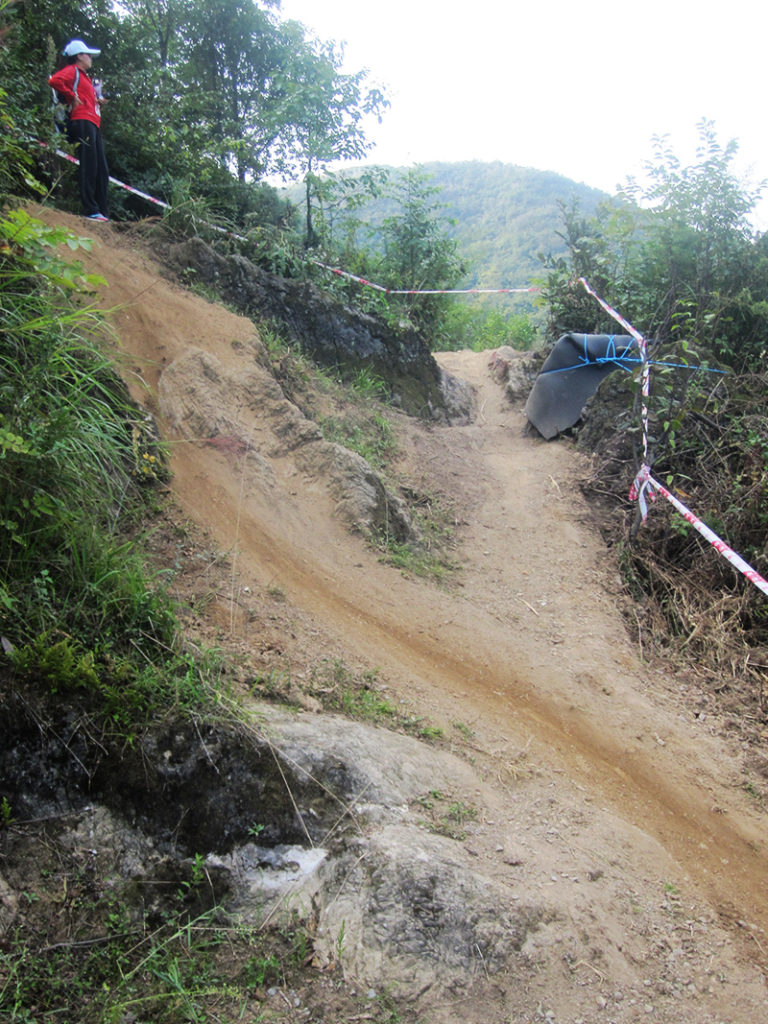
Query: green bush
x=78, y=610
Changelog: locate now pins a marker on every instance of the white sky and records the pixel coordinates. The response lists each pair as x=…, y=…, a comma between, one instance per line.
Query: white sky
x=577, y=88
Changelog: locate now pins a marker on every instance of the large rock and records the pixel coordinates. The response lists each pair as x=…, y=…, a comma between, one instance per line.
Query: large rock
x=413, y=910
x=246, y=413
x=409, y=907
x=299, y=817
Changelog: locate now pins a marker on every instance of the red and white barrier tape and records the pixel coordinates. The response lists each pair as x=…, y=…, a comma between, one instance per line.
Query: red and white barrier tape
x=422, y=291
x=645, y=374
x=150, y=199
x=333, y=270
x=128, y=188
x=644, y=487
x=615, y=314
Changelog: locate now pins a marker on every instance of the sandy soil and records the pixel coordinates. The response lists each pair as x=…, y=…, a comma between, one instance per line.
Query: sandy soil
x=592, y=761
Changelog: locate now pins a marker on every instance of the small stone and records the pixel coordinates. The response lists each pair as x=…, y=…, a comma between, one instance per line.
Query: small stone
x=514, y=858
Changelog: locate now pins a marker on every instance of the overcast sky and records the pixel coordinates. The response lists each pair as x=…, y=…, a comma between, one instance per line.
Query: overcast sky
x=578, y=88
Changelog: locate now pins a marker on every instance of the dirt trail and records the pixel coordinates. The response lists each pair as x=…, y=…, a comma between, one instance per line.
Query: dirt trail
x=529, y=650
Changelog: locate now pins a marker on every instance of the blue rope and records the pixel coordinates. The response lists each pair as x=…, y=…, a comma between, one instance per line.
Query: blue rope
x=621, y=360
x=611, y=349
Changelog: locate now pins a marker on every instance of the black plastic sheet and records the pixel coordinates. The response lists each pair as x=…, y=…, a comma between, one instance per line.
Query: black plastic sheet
x=571, y=374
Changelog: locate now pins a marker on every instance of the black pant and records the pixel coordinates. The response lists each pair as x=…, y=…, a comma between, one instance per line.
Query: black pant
x=93, y=173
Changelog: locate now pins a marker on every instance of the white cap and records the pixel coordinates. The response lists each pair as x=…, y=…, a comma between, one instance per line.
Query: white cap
x=76, y=46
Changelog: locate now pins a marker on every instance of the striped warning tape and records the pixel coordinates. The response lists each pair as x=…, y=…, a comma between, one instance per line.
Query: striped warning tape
x=645, y=374
x=423, y=291
x=645, y=488
x=150, y=199
x=115, y=181
x=334, y=270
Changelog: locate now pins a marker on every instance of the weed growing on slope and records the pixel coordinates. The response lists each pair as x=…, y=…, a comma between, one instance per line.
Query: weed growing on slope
x=444, y=815
x=355, y=694
x=429, y=556
x=77, y=464
x=112, y=965
x=370, y=436
x=368, y=384
x=360, y=696
x=414, y=560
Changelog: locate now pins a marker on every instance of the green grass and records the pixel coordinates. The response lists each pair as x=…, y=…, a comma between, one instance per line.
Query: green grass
x=359, y=695
x=341, y=689
x=414, y=560
x=370, y=436
x=188, y=969
x=464, y=730
x=370, y=385
x=446, y=816
x=428, y=556
x=80, y=610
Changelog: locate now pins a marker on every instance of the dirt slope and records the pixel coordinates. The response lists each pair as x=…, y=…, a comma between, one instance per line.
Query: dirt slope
x=592, y=762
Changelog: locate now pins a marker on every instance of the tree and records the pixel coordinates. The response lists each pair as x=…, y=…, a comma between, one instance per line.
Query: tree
x=235, y=52
x=326, y=110
x=417, y=253
x=165, y=19
x=340, y=200
x=677, y=256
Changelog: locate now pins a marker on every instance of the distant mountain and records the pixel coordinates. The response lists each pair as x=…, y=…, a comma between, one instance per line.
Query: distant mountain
x=503, y=216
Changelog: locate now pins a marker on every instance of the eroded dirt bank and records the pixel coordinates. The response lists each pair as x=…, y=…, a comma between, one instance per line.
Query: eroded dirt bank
x=600, y=789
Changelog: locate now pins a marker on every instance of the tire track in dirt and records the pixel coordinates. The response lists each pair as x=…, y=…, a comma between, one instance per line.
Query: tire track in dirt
x=724, y=854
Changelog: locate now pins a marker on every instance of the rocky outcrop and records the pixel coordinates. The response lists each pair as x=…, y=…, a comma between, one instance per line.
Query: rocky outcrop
x=331, y=333
x=242, y=411
x=514, y=369
x=299, y=817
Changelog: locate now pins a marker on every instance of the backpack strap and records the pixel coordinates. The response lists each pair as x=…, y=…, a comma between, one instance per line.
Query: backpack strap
x=61, y=109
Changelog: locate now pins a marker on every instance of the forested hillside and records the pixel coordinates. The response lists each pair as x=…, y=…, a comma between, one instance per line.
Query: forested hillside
x=501, y=216
x=449, y=225
x=505, y=215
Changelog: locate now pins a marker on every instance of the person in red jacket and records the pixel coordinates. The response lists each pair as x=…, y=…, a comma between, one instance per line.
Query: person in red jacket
x=72, y=81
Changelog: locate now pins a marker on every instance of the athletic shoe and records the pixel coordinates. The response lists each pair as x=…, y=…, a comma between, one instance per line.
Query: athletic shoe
x=97, y=216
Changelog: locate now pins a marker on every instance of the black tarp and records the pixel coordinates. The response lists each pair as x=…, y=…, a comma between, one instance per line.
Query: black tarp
x=572, y=373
